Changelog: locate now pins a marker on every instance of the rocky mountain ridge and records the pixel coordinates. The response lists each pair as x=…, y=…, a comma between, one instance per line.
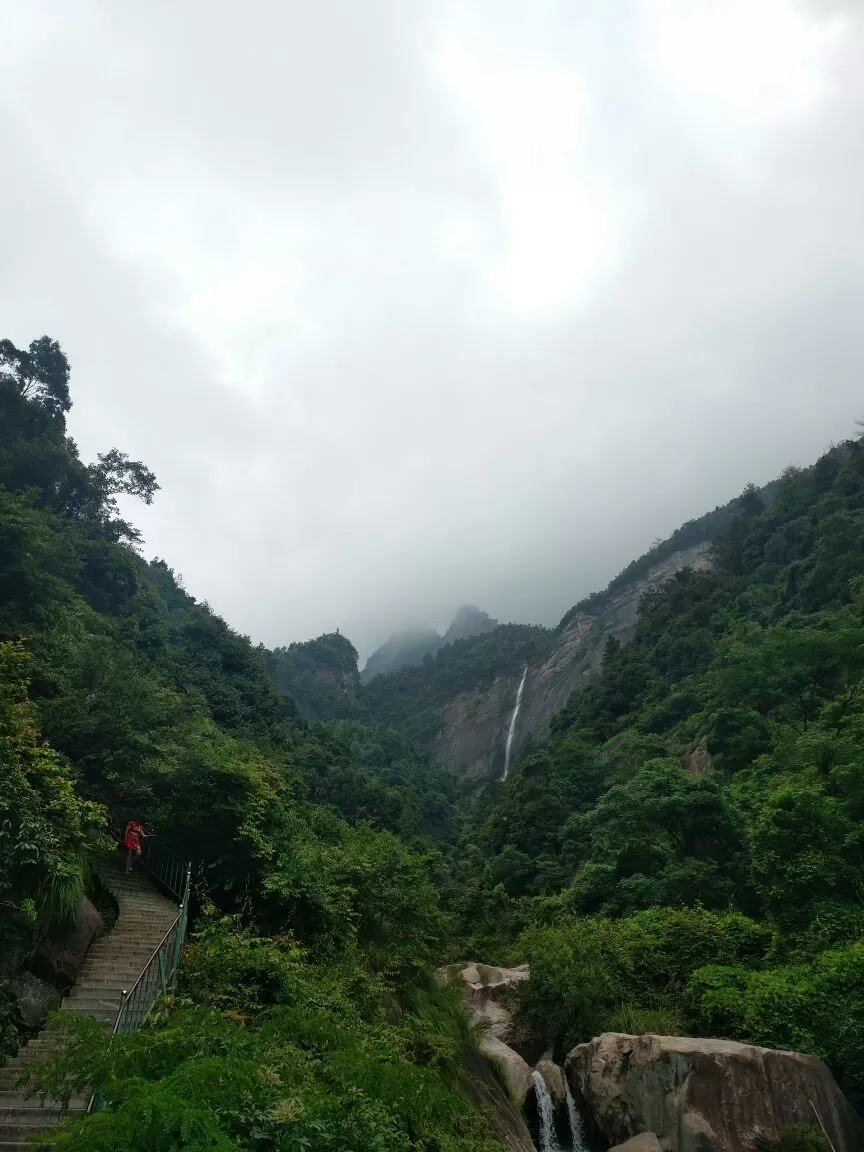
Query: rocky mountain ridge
x=475, y=724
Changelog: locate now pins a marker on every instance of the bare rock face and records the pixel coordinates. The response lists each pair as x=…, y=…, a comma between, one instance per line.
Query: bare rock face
x=34, y=998
x=702, y=1095
x=507, y=1123
x=516, y=1072
x=553, y=1075
x=484, y=985
x=644, y=1142
x=474, y=725
x=59, y=961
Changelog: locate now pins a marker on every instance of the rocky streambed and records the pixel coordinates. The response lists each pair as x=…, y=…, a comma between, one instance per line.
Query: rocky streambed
x=650, y=1093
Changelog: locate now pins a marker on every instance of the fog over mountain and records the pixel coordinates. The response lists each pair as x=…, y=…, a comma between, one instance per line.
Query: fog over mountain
x=414, y=305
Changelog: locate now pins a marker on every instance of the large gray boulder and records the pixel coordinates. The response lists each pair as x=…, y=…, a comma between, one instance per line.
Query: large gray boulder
x=644, y=1142
x=553, y=1075
x=34, y=998
x=515, y=1071
x=702, y=1095
x=58, y=960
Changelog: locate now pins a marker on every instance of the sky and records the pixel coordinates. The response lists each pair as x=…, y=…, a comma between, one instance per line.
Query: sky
x=410, y=303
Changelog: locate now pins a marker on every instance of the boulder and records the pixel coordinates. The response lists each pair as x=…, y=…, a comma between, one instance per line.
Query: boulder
x=554, y=1077
x=701, y=1095
x=644, y=1142
x=59, y=960
x=484, y=985
x=34, y=998
x=507, y=1124
x=516, y=1073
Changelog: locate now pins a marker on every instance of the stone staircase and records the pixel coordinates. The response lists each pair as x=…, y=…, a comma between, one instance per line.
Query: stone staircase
x=112, y=965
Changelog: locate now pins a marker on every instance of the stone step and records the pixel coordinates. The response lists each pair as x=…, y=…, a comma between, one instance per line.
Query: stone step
x=112, y=966
x=106, y=1015
x=92, y=1003
x=14, y=1100
x=121, y=973
x=110, y=987
x=18, y=1128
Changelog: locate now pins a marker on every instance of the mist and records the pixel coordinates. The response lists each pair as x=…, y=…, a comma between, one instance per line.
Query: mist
x=412, y=305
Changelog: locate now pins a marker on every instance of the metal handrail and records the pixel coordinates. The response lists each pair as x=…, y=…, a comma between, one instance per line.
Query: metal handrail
x=157, y=977
x=159, y=974
x=166, y=867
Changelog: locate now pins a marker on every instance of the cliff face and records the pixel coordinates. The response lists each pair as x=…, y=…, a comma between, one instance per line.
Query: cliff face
x=474, y=725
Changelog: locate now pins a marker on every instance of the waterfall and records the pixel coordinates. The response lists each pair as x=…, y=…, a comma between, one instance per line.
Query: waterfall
x=577, y=1132
x=516, y=708
x=546, y=1113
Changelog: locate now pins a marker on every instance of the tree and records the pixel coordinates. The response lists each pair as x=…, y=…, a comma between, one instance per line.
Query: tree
x=40, y=375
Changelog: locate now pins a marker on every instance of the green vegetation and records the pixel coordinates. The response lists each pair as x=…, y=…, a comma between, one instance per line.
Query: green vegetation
x=308, y=1017
x=413, y=698
x=684, y=853
x=320, y=676
x=687, y=846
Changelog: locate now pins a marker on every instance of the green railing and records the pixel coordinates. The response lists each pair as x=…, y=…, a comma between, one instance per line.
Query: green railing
x=168, y=870
x=159, y=975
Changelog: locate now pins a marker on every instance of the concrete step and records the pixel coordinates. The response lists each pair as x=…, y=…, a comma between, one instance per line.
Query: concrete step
x=108, y=988
x=113, y=964
x=14, y=1100
x=120, y=973
x=92, y=1003
x=105, y=1015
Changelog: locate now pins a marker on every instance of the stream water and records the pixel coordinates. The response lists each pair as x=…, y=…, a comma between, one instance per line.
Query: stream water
x=516, y=708
x=552, y=1137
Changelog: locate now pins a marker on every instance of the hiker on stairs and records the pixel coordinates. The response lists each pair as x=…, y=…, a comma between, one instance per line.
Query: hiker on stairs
x=132, y=841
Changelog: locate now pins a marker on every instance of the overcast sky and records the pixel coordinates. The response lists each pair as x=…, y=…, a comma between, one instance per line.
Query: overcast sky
x=415, y=302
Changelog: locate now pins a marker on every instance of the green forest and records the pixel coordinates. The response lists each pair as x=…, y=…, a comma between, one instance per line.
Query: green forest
x=683, y=854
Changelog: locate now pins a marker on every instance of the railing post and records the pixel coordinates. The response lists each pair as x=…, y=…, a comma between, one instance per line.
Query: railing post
x=181, y=925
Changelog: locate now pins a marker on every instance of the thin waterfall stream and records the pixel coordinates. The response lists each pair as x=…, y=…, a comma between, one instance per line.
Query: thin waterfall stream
x=546, y=1115
x=577, y=1129
x=516, y=708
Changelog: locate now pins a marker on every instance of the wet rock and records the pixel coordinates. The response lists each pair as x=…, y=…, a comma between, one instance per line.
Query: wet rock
x=553, y=1075
x=59, y=960
x=703, y=1095
x=644, y=1142
x=484, y=985
x=34, y=998
x=516, y=1073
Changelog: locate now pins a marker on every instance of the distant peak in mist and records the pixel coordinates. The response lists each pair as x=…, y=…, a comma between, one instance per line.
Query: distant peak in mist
x=408, y=646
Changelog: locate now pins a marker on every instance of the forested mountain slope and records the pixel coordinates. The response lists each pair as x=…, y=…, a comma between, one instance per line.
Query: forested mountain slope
x=685, y=851
x=457, y=706
x=308, y=1008
x=682, y=853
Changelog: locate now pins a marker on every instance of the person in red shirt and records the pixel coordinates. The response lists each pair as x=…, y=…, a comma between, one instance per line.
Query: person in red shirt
x=132, y=841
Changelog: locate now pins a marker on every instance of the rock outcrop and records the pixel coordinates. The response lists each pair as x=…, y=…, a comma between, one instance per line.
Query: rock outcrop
x=59, y=960
x=514, y=1070
x=507, y=1122
x=484, y=985
x=644, y=1142
x=553, y=1075
x=474, y=725
x=701, y=1095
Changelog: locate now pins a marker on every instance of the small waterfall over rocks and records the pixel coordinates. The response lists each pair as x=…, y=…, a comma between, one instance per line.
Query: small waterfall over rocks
x=577, y=1130
x=546, y=1114
x=516, y=708
x=559, y=1123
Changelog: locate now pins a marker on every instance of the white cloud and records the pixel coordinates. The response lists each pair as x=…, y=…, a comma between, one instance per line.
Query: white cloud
x=409, y=304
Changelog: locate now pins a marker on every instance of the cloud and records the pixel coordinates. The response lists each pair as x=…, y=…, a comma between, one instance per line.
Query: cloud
x=408, y=305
